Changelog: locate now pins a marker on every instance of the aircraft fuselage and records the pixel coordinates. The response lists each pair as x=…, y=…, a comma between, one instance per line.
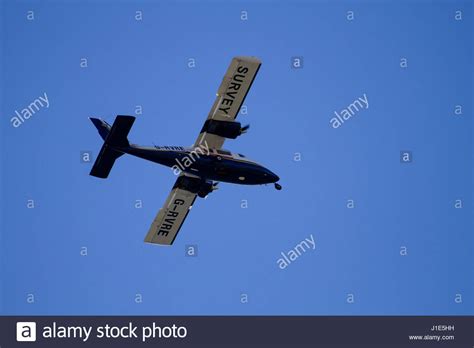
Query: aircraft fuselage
x=208, y=164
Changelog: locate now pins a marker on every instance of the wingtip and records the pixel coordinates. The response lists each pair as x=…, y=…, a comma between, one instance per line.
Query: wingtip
x=252, y=59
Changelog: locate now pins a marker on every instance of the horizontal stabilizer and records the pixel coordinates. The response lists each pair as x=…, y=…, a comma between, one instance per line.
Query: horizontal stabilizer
x=119, y=131
x=105, y=161
x=115, y=141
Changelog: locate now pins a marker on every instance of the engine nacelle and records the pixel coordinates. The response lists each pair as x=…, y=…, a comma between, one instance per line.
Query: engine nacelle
x=195, y=185
x=205, y=189
x=225, y=129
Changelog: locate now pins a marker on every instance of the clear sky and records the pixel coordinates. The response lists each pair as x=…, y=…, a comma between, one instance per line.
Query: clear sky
x=405, y=246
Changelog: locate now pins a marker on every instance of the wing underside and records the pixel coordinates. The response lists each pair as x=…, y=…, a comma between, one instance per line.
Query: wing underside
x=230, y=96
x=171, y=217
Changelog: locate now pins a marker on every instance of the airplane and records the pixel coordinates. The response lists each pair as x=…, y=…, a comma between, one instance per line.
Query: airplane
x=200, y=167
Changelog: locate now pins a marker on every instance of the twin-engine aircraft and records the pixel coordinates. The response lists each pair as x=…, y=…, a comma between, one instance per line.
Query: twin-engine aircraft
x=199, y=167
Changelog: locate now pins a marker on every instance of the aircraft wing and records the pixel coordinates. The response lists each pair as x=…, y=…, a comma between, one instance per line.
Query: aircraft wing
x=170, y=218
x=230, y=96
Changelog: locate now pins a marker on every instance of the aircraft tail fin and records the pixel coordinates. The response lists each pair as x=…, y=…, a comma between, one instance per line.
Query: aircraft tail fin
x=102, y=126
x=115, y=138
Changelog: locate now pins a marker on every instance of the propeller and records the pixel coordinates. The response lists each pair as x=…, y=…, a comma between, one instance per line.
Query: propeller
x=212, y=188
x=244, y=129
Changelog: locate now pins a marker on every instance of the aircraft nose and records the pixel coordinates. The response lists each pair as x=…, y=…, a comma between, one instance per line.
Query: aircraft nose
x=272, y=176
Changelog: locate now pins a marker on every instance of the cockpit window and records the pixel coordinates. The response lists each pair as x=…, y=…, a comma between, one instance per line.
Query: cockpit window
x=223, y=152
x=241, y=155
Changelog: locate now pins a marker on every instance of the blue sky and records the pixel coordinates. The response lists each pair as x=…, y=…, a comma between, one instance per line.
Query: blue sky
x=129, y=63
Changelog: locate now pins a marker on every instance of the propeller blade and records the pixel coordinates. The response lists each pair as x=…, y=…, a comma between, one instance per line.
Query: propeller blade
x=244, y=129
